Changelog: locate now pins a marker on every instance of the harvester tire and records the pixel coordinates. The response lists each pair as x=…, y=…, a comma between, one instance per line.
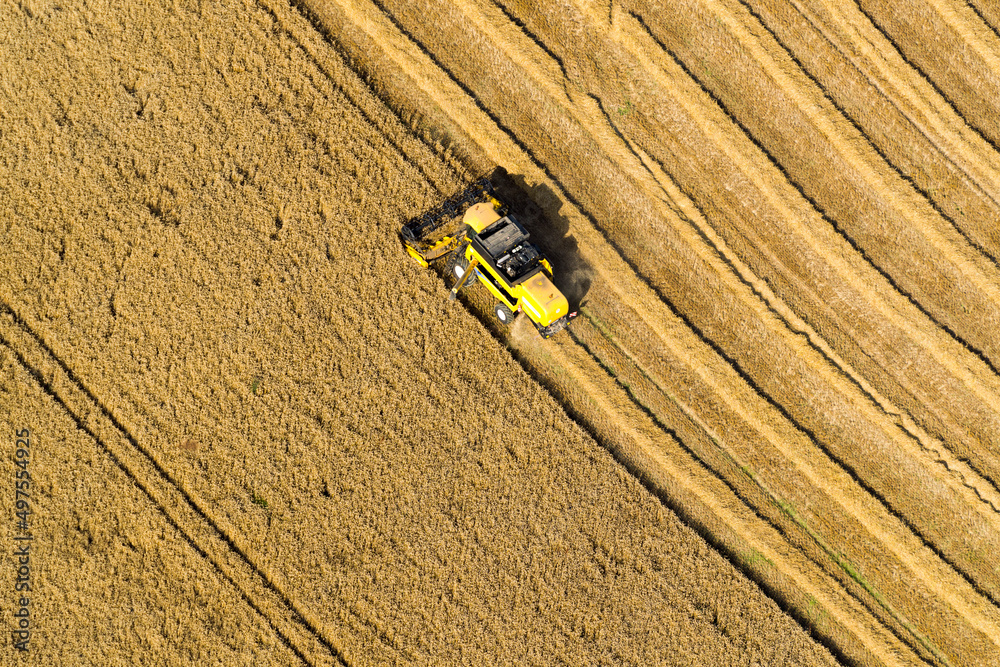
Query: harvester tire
x=457, y=265
x=503, y=313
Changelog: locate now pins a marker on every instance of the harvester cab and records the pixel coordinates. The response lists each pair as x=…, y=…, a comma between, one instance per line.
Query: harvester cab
x=491, y=245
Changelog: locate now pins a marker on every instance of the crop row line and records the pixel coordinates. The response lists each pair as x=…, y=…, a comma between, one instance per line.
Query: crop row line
x=816, y=208
x=837, y=558
x=894, y=87
x=921, y=72
x=975, y=8
x=837, y=227
x=812, y=336
x=972, y=182
x=183, y=511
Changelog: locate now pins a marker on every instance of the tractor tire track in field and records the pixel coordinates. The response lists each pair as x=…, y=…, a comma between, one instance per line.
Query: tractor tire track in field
x=257, y=585
x=477, y=102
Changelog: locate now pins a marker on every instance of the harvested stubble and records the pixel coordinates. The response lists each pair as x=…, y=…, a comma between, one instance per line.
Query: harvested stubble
x=903, y=118
x=833, y=165
x=989, y=12
x=202, y=210
x=953, y=47
x=852, y=320
x=847, y=415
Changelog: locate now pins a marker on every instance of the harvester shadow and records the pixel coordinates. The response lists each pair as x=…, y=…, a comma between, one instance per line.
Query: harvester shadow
x=537, y=208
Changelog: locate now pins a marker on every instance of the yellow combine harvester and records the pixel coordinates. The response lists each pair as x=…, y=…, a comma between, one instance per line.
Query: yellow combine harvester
x=493, y=246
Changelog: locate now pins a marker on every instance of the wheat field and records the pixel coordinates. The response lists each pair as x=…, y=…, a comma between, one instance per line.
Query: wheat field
x=241, y=426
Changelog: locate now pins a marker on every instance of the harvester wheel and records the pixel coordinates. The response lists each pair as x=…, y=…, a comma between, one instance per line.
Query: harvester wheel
x=458, y=264
x=503, y=313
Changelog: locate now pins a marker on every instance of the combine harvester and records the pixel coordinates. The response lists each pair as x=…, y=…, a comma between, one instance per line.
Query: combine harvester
x=492, y=245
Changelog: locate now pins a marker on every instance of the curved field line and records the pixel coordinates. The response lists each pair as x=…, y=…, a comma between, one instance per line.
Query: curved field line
x=534, y=38
x=590, y=335
x=535, y=61
x=769, y=298
x=866, y=40
x=845, y=138
x=969, y=468
x=709, y=128
x=811, y=104
x=262, y=588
